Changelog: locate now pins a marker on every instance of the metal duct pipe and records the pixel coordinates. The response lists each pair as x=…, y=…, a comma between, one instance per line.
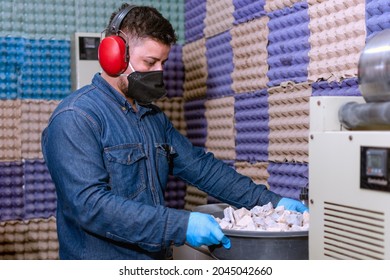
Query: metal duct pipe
x=353, y=115
x=374, y=68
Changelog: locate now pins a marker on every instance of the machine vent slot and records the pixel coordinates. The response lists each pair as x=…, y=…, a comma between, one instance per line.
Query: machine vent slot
x=353, y=233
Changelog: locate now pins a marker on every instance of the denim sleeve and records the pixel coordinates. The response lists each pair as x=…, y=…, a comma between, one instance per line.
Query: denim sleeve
x=215, y=177
x=73, y=153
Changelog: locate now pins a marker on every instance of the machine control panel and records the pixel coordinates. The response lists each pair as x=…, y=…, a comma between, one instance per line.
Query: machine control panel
x=84, y=58
x=374, y=168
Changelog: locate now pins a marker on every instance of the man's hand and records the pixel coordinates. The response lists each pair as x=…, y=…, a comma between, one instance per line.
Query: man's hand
x=203, y=229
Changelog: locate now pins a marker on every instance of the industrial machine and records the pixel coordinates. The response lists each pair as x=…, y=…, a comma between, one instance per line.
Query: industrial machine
x=349, y=172
x=84, y=58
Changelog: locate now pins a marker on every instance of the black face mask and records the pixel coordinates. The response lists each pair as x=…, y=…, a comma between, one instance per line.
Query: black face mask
x=146, y=87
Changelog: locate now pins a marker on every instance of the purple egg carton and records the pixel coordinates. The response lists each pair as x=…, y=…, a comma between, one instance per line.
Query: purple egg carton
x=347, y=87
x=175, y=193
x=288, y=179
x=377, y=16
x=40, y=195
x=26, y=191
x=289, y=45
x=219, y=56
x=11, y=191
x=194, y=15
x=194, y=114
x=174, y=72
x=246, y=10
x=251, y=117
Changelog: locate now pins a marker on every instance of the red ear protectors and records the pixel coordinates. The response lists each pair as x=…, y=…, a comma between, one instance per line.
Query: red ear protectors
x=113, y=53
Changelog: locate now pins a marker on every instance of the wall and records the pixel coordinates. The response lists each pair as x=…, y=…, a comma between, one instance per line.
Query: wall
x=35, y=74
x=250, y=68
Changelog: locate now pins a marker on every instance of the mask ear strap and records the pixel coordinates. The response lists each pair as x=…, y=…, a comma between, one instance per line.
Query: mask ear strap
x=131, y=66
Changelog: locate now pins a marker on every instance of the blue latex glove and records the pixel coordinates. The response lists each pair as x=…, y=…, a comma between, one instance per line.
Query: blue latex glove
x=203, y=229
x=293, y=205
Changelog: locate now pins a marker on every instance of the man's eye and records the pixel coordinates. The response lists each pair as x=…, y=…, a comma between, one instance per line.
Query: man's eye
x=150, y=63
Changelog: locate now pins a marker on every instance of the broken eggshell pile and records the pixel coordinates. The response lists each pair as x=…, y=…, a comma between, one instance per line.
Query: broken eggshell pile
x=263, y=218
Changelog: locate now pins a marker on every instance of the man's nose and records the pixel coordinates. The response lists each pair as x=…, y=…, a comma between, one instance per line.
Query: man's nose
x=159, y=67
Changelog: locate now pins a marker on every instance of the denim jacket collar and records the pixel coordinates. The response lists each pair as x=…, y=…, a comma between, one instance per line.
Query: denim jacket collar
x=116, y=96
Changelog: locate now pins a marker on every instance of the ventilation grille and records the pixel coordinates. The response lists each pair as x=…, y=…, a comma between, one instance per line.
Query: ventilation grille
x=353, y=233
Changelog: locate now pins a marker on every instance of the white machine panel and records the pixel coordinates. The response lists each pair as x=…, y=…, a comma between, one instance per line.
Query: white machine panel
x=348, y=220
x=84, y=58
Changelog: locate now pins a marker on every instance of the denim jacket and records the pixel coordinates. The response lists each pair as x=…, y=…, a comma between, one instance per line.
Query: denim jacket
x=110, y=166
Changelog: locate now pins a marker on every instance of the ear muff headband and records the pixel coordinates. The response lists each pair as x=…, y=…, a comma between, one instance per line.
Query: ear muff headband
x=113, y=50
x=116, y=22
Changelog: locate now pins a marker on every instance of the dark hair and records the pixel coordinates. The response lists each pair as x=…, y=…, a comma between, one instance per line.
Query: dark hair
x=146, y=22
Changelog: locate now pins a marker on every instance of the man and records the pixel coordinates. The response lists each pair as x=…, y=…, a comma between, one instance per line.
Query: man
x=109, y=151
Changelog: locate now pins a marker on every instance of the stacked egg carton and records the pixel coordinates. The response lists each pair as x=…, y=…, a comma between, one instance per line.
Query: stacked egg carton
x=59, y=19
x=35, y=114
x=199, y=55
x=39, y=191
x=174, y=72
x=257, y=171
x=249, y=43
x=27, y=191
x=27, y=199
x=288, y=44
x=194, y=113
x=247, y=10
x=219, y=66
x=45, y=72
x=288, y=179
x=34, y=68
x=194, y=15
x=282, y=52
x=10, y=140
x=34, y=64
x=337, y=37
x=195, y=65
x=12, y=191
x=175, y=193
x=219, y=17
x=174, y=109
x=288, y=93
x=219, y=100
x=11, y=61
x=220, y=127
x=273, y=5
x=377, y=16
x=251, y=123
x=289, y=123
x=34, y=77
x=38, y=18
x=35, y=239
x=347, y=87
